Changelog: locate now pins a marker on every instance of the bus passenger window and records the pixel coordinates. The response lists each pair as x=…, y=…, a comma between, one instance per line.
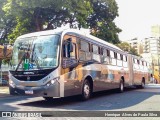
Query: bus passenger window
x=112, y=54
x=84, y=52
x=104, y=52
x=95, y=49
x=84, y=46
x=118, y=56
x=105, y=58
x=96, y=56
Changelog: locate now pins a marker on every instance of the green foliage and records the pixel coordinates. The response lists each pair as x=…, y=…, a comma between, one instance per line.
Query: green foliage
x=35, y=15
x=126, y=47
x=101, y=20
x=6, y=23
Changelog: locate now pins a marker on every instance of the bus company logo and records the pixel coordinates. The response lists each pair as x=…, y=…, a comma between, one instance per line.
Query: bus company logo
x=6, y=114
x=28, y=78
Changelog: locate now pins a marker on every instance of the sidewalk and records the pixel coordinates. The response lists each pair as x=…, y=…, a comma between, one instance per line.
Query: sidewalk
x=4, y=91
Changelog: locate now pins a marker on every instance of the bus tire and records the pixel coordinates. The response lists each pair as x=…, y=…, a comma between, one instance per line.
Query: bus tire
x=86, y=90
x=48, y=98
x=121, y=86
x=12, y=91
x=142, y=84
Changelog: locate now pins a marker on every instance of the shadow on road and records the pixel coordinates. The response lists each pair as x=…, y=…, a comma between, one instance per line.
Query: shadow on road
x=106, y=100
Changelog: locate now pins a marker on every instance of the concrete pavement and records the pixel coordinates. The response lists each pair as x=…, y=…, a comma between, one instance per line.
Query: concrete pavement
x=4, y=91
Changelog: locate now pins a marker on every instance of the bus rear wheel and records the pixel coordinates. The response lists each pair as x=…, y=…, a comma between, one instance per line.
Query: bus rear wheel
x=86, y=90
x=121, y=86
x=142, y=84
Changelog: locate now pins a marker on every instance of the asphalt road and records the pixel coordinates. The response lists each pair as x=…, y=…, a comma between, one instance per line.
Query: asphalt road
x=132, y=99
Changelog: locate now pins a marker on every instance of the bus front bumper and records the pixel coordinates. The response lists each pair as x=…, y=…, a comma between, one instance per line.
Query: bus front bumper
x=45, y=91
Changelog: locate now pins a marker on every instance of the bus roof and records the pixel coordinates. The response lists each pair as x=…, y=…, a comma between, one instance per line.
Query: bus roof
x=63, y=31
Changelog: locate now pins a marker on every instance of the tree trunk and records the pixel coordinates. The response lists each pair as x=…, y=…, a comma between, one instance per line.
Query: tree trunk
x=38, y=20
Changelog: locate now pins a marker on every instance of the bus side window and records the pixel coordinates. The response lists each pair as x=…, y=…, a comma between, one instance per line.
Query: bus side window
x=112, y=54
x=105, y=57
x=119, y=59
x=96, y=53
x=113, y=57
x=84, y=51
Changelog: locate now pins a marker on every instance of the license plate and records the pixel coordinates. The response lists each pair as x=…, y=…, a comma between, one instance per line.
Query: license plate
x=29, y=92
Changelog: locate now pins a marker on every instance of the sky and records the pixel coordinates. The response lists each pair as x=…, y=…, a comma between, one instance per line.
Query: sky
x=136, y=18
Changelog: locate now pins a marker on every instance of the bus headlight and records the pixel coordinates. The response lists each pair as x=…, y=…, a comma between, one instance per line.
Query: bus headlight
x=51, y=82
x=11, y=83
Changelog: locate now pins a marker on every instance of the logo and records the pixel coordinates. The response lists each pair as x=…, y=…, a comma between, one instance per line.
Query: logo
x=6, y=114
x=28, y=78
x=28, y=73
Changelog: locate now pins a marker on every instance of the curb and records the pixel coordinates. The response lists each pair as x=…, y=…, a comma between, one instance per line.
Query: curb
x=4, y=91
x=2, y=95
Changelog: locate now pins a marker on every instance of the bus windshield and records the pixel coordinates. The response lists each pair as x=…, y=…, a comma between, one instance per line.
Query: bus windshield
x=35, y=53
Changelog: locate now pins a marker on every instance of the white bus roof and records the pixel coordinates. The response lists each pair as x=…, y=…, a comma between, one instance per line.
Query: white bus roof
x=60, y=31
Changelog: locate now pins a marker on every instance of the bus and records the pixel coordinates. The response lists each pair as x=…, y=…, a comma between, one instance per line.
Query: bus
x=60, y=63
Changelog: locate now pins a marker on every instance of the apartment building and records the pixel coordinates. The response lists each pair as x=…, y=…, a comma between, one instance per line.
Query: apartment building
x=151, y=45
x=136, y=44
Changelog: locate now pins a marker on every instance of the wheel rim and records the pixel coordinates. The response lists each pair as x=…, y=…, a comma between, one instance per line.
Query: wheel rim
x=143, y=84
x=122, y=87
x=86, y=90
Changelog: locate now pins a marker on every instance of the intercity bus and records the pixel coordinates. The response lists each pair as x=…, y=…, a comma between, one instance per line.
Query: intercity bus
x=61, y=63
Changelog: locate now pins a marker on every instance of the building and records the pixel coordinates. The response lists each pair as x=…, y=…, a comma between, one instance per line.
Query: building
x=136, y=44
x=151, y=52
x=151, y=45
x=155, y=31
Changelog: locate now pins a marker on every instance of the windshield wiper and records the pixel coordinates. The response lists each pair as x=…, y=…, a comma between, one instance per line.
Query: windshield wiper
x=20, y=61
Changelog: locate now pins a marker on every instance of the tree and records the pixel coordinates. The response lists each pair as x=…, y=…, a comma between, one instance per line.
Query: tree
x=126, y=47
x=7, y=23
x=101, y=20
x=34, y=15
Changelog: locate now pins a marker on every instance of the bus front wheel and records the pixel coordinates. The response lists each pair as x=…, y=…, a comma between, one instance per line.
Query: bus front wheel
x=86, y=90
x=12, y=91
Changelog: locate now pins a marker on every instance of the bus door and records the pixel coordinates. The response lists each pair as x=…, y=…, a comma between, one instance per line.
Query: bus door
x=69, y=65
